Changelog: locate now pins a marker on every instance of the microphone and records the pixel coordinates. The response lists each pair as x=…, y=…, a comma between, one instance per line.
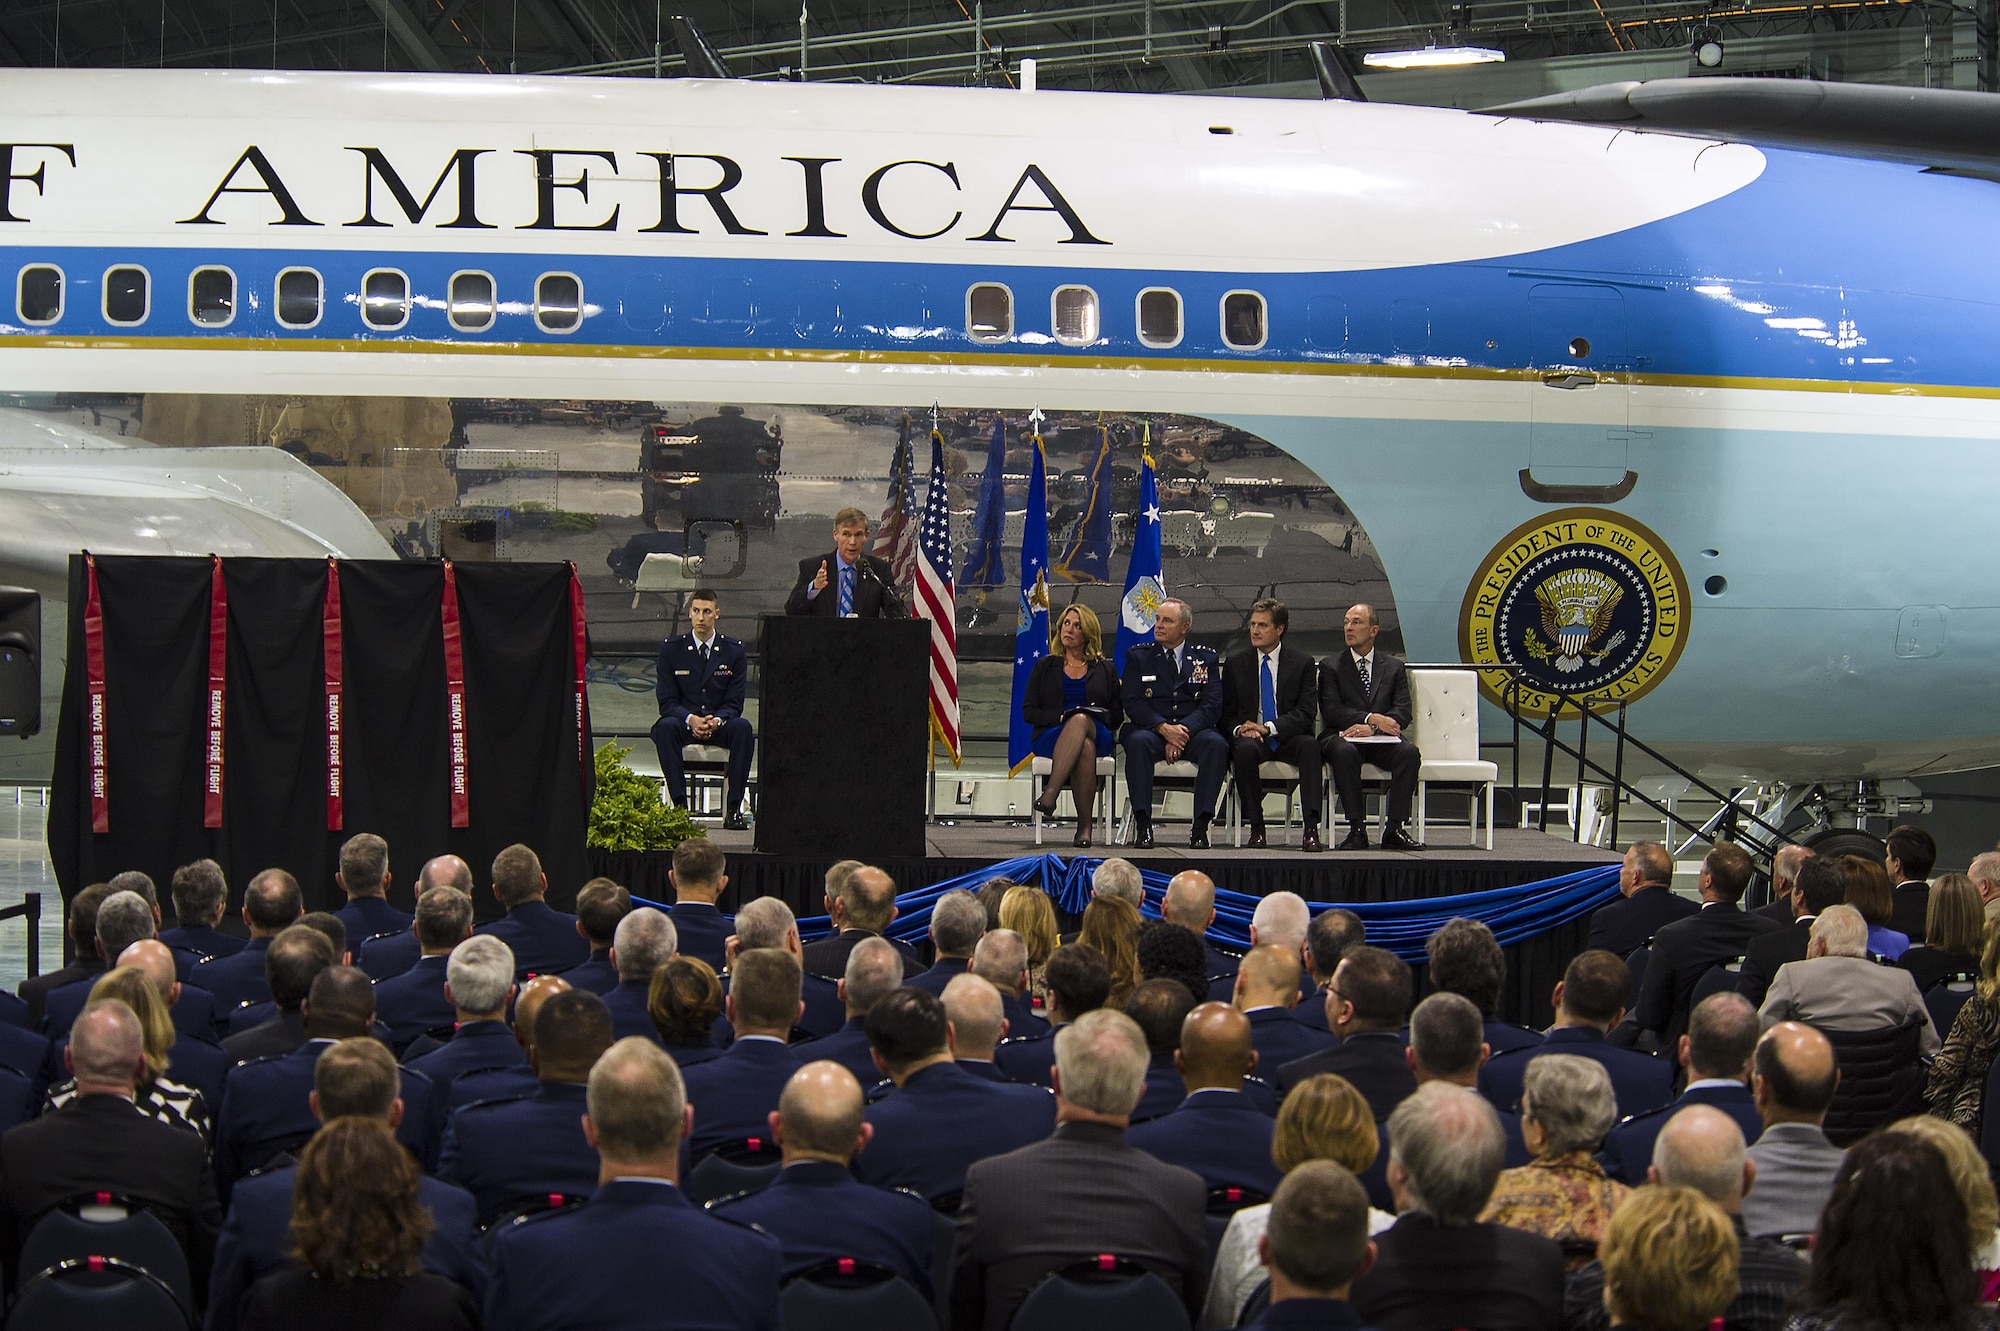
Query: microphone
x=889, y=596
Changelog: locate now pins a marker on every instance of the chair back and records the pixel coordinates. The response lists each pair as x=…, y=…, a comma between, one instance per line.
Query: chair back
x=1444, y=720
x=1720, y=978
x=1254, y=1306
x=1947, y=996
x=1104, y=1293
x=849, y=1295
x=714, y=1177
x=553, y=1201
x=1227, y=1201
x=102, y=1224
x=97, y=1294
x=1881, y=1079
x=1636, y=961
x=944, y=1247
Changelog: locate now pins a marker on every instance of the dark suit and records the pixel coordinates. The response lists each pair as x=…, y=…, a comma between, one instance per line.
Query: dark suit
x=596, y=974
x=1164, y=1089
x=733, y=1095
x=1682, y=953
x=235, y=979
x=1309, y=1315
x=105, y=1143
x=193, y=1061
x=1022, y=1019
x=941, y=1120
x=691, y=684
x=1912, y=905
x=368, y=917
x=1155, y=693
x=544, y=940
x=874, y=590
x=1297, y=697
x=1221, y=1135
x=848, y=1047
x=942, y=972
x=1639, y=1082
x=1279, y=1040
x=36, y=989
x=828, y=956
x=385, y=958
x=1624, y=924
x=1629, y=1147
x=195, y=1013
x=266, y=1109
x=703, y=930
x=638, y=1253
x=817, y=1212
x=1781, y=911
x=475, y=1045
x=1778, y=948
x=1504, y=1037
x=282, y=1034
x=1114, y=1198
x=412, y=1003
x=1343, y=703
x=1428, y=1276
x=1371, y=1060
x=1310, y=1011
x=256, y=1239
x=507, y=1152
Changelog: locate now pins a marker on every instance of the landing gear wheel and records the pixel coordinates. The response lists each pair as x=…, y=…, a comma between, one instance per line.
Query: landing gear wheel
x=1838, y=841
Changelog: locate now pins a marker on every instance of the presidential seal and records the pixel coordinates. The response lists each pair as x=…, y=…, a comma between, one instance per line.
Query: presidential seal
x=1583, y=601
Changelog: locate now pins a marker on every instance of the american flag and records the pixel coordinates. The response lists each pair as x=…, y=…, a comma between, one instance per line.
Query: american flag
x=896, y=538
x=936, y=600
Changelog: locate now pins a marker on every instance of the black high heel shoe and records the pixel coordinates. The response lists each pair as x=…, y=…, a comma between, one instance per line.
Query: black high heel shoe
x=1082, y=838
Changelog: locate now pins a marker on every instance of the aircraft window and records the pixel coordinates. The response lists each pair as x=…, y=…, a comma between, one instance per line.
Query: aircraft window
x=212, y=297
x=1075, y=316
x=1579, y=347
x=1243, y=320
x=385, y=299
x=298, y=298
x=1160, y=317
x=127, y=296
x=558, y=302
x=472, y=302
x=40, y=296
x=989, y=313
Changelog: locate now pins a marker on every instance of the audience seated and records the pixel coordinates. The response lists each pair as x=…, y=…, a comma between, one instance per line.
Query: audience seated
x=1439, y=1265
x=1563, y=1193
x=201, y=898
x=958, y=922
x=413, y=1003
x=1280, y=920
x=1817, y=886
x=1365, y=1007
x=1956, y=1089
x=1684, y=950
x=1190, y=902
x=1784, y=879
x=1029, y=913
x=157, y=1096
x=1953, y=930
x=698, y=881
x=355, y=1078
x=994, y=891
x=479, y=980
x=815, y=1208
x=1331, y=935
x=1465, y=958
x=1001, y=959
x=1837, y=988
x=1870, y=892
x=769, y=922
x=978, y=1021
x=1647, y=903
x=193, y=1059
x=1266, y=991
x=1792, y=1076
x=941, y=1117
x=516, y=1149
x=470, y=1088
x=600, y=905
x=85, y=965
x=291, y=963
x=874, y=969
x=1589, y=1001
x=271, y=904
x=1911, y=854
x=684, y=1003
x=1160, y=1007
x=862, y=904
x=542, y=939
x=1721, y=1037
x=1670, y=1262
x=1112, y=927
x=637, y=1249
x=1116, y=1199
x=733, y=1095
x=1079, y=982
x=386, y=957
x=1447, y=1043
x=1217, y=1131
x=1315, y=1246
x=364, y=876
x=1168, y=952
x=645, y=940
x=123, y=918
x=1973, y=1178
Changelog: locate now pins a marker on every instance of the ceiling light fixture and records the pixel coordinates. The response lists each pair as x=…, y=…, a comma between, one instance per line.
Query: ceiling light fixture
x=1433, y=57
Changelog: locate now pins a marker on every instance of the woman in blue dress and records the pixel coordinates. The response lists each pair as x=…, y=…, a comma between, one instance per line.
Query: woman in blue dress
x=1072, y=701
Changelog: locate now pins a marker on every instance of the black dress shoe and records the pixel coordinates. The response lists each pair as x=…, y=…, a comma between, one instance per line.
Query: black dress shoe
x=1256, y=841
x=1082, y=837
x=1198, y=839
x=736, y=822
x=1356, y=840
x=1397, y=839
x=1310, y=843
x=1142, y=834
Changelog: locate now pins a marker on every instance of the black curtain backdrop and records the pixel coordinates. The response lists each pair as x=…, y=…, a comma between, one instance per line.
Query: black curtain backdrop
x=523, y=774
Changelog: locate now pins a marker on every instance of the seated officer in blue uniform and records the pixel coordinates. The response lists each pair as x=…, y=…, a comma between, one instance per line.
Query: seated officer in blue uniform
x=698, y=880
x=266, y=1105
x=384, y=957
x=294, y=960
x=123, y=918
x=874, y=970
x=1001, y=959
x=702, y=678
x=978, y=1024
x=544, y=940
x=1316, y=1246
x=1267, y=988
x=941, y=1118
x=644, y=941
x=414, y=1003
x=271, y=904
x=355, y=1077
x=201, y=895
x=1079, y=981
x=600, y=904
x=1589, y=1001
x=364, y=876
x=1447, y=1044
x=1721, y=1037
x=479, y=981
x=521, y=1148
x=510, y=1083
x=1173, y=705
x=1160, y=1007
x=733, y=1095
x=958, y=922
x=769, y=922
x=815, y=1208
x=1217, y=1131
x=638, y=1253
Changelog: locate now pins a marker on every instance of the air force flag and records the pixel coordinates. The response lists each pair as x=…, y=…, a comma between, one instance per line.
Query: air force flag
x=1031, y=626
x=1143, y=588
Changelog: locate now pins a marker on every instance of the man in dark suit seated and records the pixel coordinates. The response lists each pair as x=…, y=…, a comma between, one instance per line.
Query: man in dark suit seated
x=644, y=941
x=201, y=896
x=479, y=981
x=1721, y=1037
x=1784, y=877
x=698, y=881
x=354, y=1077
x=861, y=902
x=101, y=1142
x=1818, y=885
x=1315, y=1246
x=1365, y=695
x=1684, y=951
x=543, y=940
x=1172, y=692
x=1646, y=879
x=1190, y=903
x=1331, y=936
x=1438, y=1265
x=769, y=922
x=702, y=679
x=600, y=905
x=1160, y=1007
x=1267, y=989
x=414, y=1003
x=1217, y=1131
x=1589, y=1000
x=1465, y=958
x=1912, y=852
x=521, y=1148
x=1001, y=959
x=958, y=922
x=874, y=970
x=1365, y=1007
x=1084, y=1191
x=941, y=1117
x=848, y=583
x=85, y=963
x=637, y=1252
x=1447, y=1044
x=291, y=963
x=734, y=1094
x=385, y=957
x=1270, y=711
x=123, y=918
x=364, y=876
x=978, y=1025
x=271, y=904
x=1079, y=980
x=815, y=1208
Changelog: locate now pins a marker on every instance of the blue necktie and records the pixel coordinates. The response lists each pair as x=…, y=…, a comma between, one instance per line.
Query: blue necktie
x=846, y=590
x=1267, y=696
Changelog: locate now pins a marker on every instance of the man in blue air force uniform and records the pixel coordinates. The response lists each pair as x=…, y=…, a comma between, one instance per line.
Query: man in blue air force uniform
x=1173, y=703
x=702, y=678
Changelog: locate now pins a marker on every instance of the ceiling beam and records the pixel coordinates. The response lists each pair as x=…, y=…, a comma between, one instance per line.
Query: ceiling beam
x=411, y=36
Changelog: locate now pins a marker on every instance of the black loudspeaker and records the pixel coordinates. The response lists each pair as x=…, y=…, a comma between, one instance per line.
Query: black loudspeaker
x=20, y=661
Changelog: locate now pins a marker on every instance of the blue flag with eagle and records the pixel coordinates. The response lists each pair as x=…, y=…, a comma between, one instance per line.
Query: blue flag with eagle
x=1143, y=588
x=1031, y=625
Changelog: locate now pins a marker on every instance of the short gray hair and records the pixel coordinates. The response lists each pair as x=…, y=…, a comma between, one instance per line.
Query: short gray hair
x=123, y=919
x=974, y=1008
x=1449, y=1143
x=364, y=862
x=1000, y=958
x=1102, y=1059
x=1447, y=1033
x=480, y=971
x=132, y=880
x=1119, y=878
x=1186, y=616
x=1281, y=919
x=645, y=941
x=1570, y=1097
x=637, y=1101
x=874, y=969
x=1984, y=868
x=1841, y=931
x=957, y=921
x=764, y=922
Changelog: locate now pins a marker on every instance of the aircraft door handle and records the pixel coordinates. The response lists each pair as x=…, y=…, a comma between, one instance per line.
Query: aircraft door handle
x=1570, y=380
x=1543, y=493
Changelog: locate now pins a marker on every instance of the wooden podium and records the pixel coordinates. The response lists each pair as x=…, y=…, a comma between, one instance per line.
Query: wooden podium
x=846, y=737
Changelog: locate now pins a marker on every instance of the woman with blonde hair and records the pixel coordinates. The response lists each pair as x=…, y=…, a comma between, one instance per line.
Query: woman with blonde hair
x=1954, y=927
x=1974, y=1184
x=168, y=1101
x=1111, y=925
x=1028, y=911
x=1956, y=1089
x=1072, y=700
x=1670, y=1261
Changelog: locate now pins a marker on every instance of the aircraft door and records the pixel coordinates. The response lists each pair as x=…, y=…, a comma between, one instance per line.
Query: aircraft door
x=1580, y=362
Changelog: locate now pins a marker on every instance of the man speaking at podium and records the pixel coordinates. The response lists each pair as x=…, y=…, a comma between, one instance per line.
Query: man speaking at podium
x=848, y=583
